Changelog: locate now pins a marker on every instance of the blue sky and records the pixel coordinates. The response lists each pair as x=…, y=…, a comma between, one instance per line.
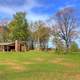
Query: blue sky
x=35, y=9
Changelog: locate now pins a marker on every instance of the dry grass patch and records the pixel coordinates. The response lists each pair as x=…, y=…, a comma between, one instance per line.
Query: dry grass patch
x=27, y=62
x=1, y=72
x=62, y=62
x=75, y=76
x=57, y=60
x=70, y=65
x=24, y=79
x=39, y=59
x=13, y=65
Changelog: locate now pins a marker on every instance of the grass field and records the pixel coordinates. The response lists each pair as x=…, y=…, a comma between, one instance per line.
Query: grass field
x=34, y=65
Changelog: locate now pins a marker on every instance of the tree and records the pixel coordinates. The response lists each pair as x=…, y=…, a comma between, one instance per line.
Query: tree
x=19, y=27
x=4, y=31
x=44, y=37
x=5, y=34
x=57, y=41
x=66, y=25
x=40, y=34
x=59, y=47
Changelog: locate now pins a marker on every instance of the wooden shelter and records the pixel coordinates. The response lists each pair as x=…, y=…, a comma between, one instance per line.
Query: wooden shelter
x=13, y=46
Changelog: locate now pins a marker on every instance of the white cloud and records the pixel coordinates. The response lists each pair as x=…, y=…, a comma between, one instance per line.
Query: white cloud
x=28, y=5
x=35, y=17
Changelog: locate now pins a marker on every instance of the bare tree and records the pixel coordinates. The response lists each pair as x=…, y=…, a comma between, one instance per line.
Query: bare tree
x=66, y=25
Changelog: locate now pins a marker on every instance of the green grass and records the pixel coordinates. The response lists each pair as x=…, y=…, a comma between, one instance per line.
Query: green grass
x=37, y=65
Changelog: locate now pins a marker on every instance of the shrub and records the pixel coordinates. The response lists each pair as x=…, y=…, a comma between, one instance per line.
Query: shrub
x=74, y=47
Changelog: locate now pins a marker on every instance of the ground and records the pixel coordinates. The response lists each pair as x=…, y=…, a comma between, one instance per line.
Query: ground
x=37, y=65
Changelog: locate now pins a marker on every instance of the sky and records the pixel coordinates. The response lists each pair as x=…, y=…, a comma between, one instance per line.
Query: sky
x=35, y=9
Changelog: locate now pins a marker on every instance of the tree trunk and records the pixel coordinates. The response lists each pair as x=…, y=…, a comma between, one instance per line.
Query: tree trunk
x=67, y=47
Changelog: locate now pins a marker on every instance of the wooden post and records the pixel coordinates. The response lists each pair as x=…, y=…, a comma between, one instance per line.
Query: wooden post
x=25, y=48
x=16, y=45
x=3, y=48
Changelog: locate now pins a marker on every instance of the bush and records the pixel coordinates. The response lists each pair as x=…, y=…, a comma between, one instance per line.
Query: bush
x=74, y=47
x=60, y=48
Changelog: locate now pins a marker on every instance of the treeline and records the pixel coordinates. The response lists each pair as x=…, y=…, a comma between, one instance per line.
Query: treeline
x=63, y=28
